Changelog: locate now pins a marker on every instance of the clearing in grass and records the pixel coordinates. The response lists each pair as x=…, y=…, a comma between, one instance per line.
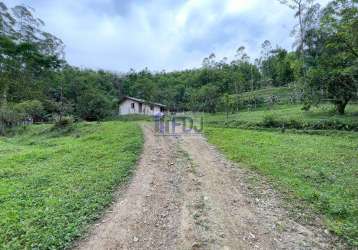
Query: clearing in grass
x=55, y=182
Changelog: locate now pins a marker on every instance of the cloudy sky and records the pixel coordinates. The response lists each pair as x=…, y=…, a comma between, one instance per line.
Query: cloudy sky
x=161, y=34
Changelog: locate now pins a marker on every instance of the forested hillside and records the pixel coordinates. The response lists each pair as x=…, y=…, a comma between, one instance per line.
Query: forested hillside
x=36, y=81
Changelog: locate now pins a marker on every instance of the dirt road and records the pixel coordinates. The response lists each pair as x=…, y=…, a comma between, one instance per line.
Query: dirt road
x=185, y=195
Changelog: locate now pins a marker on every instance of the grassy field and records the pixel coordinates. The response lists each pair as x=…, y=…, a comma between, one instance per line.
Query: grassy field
x=320, y=170
x=322, y=112
x=54, y=183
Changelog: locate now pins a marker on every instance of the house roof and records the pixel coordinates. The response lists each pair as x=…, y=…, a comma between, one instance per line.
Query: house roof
x=141, y=100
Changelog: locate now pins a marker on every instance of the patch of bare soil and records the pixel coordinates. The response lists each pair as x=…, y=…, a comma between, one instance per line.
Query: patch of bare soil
x=185, y=195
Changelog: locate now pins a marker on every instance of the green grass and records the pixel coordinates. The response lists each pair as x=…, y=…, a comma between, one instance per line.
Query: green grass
x=321, y=171
x=54, y=183
x=322, y=112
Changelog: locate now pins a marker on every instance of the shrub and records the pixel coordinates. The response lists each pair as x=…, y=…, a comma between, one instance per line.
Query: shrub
x=294, y=124
x=63, y=122
x=271, y=121
x=335, y=124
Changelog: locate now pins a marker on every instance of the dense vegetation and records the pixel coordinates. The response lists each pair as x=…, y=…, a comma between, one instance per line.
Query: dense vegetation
x=316, y=170
x=54, y=182
x=36, y=83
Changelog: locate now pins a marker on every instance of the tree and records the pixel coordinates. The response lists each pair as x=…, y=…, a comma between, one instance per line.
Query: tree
x=264, y=62
x=33, y=109
x=7, y=21
x=24, y=61
x=302, y=8
x=93, y=106
x=334, y=53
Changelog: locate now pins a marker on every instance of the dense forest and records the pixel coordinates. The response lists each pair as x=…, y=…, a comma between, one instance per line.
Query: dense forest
x=37, y=83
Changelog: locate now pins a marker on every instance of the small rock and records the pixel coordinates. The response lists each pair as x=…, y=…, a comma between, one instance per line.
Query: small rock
x=326, y=232
x=252, y=236
x=135, y=239
x=195, y=245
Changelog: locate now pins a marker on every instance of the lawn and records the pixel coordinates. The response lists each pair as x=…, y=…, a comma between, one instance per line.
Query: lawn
x=54, y=183
x=321, y=171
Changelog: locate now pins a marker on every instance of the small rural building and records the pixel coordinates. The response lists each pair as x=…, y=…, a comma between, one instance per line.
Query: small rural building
x=130, y=105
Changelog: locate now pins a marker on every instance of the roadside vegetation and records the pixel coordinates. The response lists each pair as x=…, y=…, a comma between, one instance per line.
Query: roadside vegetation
x=311, y=170
x=55, y=181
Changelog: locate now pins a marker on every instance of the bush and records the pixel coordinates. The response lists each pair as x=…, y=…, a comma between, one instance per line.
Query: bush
x=271, y=121
x=335, y=124
x=294, y=124
x=63, y=122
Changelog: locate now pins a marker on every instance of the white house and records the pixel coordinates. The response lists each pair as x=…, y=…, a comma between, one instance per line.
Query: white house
x=131, y=105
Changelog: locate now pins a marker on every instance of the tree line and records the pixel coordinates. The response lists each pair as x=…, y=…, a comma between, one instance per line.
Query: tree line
x=36, y=81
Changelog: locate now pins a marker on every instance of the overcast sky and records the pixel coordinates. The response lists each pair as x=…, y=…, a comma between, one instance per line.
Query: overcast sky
x=161, y=34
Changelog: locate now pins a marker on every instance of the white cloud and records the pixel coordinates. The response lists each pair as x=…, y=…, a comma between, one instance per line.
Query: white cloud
x=240, y=6
x=161, y=34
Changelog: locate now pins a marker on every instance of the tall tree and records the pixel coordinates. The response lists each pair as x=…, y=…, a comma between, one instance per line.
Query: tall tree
x=301, y=8
x=335, y=52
